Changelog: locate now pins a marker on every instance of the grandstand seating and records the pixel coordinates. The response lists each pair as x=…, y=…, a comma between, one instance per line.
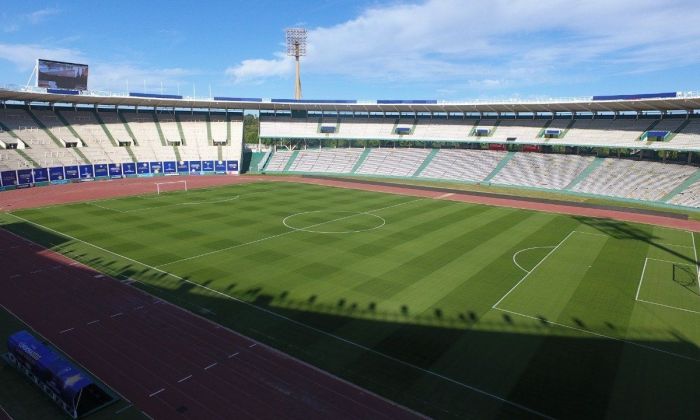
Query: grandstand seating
x=393, y=162
x=326, y=161
x=278, y=161
x=541, y=170
x=634, y=179
x=690, y=197
x=462, y=165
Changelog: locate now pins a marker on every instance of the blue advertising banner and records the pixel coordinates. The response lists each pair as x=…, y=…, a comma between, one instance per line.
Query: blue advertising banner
x=183, y=167
x=220, y=166
x=115, y=170
x=101, y=170
x=156, y=167
x=41, y=175
x=208, y=165
x=56, y=173
x=195, y=166
x=71, y=172
x=232, y=165
x=8, y=178
x=24, y=177
x=143, y=168
x=86, y=172
x=169, y=167
x=129, y=168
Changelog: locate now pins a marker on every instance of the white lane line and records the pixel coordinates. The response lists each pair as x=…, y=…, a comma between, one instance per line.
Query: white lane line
x=156, y=393
x=99, y=276
x=252, y=345
x=116, y=315
x=231, y=356
x=184, y=379
x=138, y=307
x=121, y=410
x=146, y=414
x=93, y=322
x=440, y=197
x=211, y=366
x=66, y=330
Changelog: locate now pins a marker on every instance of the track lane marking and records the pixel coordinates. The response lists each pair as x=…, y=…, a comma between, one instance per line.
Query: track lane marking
x=156, y=393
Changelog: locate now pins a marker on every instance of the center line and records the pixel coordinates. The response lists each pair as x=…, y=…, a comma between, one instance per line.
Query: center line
x=211, y=366
x=116, y=315
x=67, y=330
x=93, y=322
x=230, y=356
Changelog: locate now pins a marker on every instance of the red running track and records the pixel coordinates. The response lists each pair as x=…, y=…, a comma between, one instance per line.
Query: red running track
x=62, y=194
x=163, y=359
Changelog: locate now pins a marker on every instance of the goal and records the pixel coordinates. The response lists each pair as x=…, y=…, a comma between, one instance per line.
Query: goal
x=171, y=186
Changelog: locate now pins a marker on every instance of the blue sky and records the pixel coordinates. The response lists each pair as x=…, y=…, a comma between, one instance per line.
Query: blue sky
x=427, y=49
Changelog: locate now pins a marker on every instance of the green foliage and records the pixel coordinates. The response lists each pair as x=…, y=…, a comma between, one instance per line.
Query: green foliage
x=251, y=129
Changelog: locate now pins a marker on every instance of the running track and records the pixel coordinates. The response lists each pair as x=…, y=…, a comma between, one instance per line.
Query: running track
x=163, y=359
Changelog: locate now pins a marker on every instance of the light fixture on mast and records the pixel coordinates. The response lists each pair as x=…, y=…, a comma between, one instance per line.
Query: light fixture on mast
x=296, y=47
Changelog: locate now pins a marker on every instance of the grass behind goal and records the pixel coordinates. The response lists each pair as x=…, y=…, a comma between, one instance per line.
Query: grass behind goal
x=453, y=309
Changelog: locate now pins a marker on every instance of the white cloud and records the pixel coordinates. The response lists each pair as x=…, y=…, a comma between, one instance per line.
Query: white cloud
x=499, y=42
x=24, y=56
x=104, y=75
x=255, y=69
x=40, y=15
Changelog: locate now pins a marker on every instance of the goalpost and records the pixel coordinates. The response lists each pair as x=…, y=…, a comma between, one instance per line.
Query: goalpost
x=171, y=186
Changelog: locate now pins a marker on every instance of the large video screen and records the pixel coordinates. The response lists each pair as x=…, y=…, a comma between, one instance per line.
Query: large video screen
x=60, y=75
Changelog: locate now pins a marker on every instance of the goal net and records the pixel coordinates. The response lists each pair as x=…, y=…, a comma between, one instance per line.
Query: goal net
x=171, y=186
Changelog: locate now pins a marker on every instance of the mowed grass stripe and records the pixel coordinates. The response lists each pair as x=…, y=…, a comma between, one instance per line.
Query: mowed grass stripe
x=430, y=312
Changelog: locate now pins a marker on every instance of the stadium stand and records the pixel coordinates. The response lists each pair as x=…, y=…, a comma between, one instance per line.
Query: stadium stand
x=462, y=165
x=278, y=161
x=541, y=170
x=393, y=162
x=329, y=161
x=638, y=180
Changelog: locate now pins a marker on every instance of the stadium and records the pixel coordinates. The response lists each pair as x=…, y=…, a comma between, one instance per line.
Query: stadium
x=403, y=258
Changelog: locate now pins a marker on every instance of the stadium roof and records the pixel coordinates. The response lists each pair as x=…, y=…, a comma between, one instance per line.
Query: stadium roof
x=688, y=102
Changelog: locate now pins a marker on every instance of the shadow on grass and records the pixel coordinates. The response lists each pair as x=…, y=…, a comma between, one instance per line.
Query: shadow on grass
x=433, y=360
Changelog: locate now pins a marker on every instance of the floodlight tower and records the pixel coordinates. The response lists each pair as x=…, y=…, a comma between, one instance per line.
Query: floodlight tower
x=296, y=47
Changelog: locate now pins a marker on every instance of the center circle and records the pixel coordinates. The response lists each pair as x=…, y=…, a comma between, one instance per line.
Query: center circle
x=322, y=221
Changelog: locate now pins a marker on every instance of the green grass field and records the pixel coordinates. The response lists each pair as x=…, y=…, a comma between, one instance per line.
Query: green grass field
x=455, y=310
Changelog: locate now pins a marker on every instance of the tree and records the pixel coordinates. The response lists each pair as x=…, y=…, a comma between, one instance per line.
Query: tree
x=251, y=129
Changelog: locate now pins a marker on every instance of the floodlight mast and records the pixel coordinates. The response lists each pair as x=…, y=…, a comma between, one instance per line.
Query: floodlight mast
x=296, y=47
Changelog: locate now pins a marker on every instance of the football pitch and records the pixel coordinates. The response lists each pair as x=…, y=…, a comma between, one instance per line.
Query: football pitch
x=452, y=309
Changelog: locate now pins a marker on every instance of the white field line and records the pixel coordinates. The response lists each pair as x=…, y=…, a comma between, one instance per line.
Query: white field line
x=669, y=306
x=303, y=325
x=2, y=409
x=644, y=346
x=533, y=269
x=187, y=203
x=641, y=279
x=527, y=249
x=695, y=252
x=283, y=234
x=676, y=245
x=590, y=233
x=670, y=262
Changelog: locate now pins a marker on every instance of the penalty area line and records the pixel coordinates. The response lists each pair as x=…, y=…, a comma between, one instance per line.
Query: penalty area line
x=644, y=346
